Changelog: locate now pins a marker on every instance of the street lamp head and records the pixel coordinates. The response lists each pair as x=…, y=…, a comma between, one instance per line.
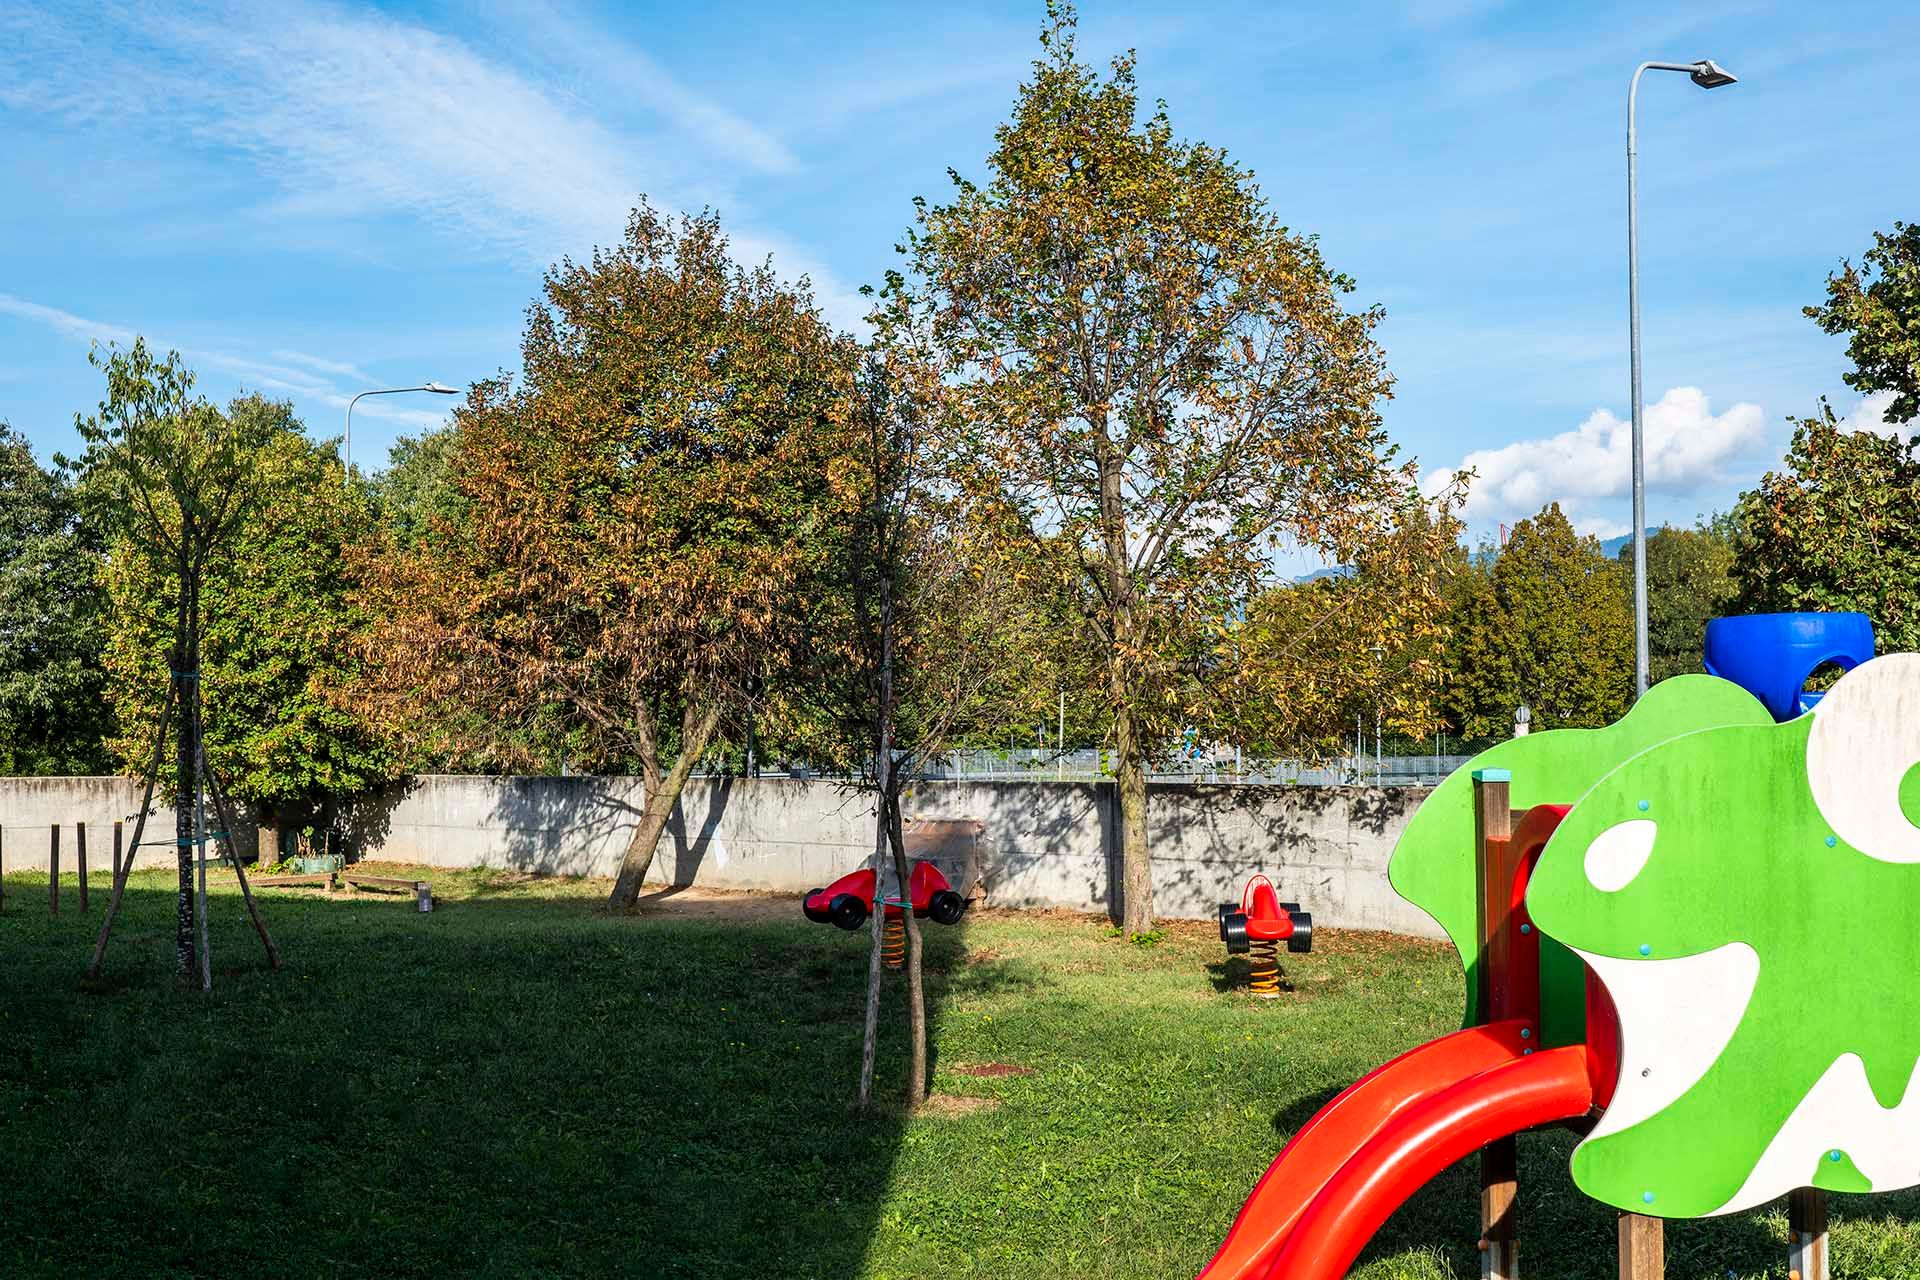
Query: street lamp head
x=1709, y=74
x=440, y=388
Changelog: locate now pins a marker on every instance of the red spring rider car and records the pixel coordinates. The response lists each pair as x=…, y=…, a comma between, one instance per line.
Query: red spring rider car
x=1257, y=925
x=847, y=901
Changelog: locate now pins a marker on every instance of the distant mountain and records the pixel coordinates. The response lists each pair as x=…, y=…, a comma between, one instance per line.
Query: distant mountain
x=1609, y=547
x=1612, y=547
x=1337, y=571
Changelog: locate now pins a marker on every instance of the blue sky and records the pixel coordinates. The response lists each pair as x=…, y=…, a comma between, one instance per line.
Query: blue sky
x=310, y=199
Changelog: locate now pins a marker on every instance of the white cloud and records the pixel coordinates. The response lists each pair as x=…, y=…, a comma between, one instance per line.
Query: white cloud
x=356, y=112
x=291, y=373
x=1688, y=447
x=1871, y=415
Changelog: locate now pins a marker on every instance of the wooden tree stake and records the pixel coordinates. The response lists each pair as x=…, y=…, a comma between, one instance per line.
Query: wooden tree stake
x=80, y=861
x=117, y=835
x=53, y=872
x=1807, y=1234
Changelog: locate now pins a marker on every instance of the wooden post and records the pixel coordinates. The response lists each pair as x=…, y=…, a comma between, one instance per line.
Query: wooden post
x=1643, y=1248
x=1807, y=1234
x=53, y=872
x=1499, y=1160
x=80, y=860
x=117, y=835
x=3, y=870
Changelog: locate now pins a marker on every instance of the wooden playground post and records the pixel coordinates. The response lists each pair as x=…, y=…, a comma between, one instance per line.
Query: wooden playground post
x=1643, y=1247
x=53, y=872
x=1807, y=1234
x=1499, y=1160
x=80, y=861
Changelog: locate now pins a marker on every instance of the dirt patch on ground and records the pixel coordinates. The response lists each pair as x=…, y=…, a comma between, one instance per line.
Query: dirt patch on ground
x=732, y=905
x=953, y=1104
x=989, y=1070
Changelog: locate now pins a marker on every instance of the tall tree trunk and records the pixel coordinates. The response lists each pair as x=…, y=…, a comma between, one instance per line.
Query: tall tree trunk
x=916, y=985
x=1136, y=863
x=870, y=1035
x=638, y=859
x=1130, y=771
x=883, y=776
x=186, y=670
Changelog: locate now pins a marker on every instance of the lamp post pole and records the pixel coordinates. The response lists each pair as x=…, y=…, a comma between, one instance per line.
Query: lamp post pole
x=1708, y=75
x=346, y=445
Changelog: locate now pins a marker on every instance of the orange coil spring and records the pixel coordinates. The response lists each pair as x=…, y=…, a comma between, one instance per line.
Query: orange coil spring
x=1263, y=967
x=893, y=942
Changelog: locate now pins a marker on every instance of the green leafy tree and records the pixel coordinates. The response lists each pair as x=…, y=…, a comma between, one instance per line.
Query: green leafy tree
x=168, y=477
x=1153, y=379
x=1308, y=657
x=1835, y=527
x=1689, y=583
x=52, y=714
x=1547, y=624
x=416, y=493
x=278, y=643
x=1877, y=305
x=640, y=524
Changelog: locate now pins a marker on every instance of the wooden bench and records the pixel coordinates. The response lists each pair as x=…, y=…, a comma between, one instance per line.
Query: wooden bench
x=276, y=882
x=335, y=881
x=421, y=889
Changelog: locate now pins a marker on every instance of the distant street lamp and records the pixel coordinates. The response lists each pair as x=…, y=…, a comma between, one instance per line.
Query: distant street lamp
x=346, y=446
x=1708, y=75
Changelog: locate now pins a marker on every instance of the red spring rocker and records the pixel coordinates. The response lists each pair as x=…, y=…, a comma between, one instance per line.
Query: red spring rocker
x=1257, y=925
x=847, y=901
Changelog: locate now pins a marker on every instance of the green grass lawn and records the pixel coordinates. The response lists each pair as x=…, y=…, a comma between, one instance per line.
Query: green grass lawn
x=518, y=1085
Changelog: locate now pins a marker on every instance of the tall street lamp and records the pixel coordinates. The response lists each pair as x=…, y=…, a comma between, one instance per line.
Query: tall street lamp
x=346, y=447
x=1708, y=75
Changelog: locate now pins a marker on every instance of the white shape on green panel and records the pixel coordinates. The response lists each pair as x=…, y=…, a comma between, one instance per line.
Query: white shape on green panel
x=1866, y=737
x=1675, y=1018
x=1839, y=1114
x=1617, y=854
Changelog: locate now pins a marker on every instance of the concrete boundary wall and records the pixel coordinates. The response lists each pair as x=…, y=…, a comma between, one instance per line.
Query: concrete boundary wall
x=30, y=806
x=1041, y=844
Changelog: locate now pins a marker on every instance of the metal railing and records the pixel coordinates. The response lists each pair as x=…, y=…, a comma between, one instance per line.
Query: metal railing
x=1092, y=765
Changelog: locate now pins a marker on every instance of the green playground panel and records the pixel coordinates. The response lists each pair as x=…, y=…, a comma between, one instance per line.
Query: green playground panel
x=1742, y=853
x=1433, y=865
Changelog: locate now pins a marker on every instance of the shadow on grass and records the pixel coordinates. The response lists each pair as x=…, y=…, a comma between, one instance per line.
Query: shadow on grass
x=509, y=1086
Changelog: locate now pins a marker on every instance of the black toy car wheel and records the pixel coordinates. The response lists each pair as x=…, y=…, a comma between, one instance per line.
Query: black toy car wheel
x=847, y=911
x=819, y=915
x=1233, y=931
x=947, y=907
x=1302, y=939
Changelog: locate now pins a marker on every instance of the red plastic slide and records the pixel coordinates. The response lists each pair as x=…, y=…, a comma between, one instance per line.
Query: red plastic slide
x=1365, y=1152
x=1340, y=1129
x=1419, y=1143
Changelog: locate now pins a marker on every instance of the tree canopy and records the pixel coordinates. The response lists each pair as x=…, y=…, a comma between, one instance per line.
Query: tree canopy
x=1689, y=583
x=1836, y=526
x=278, y=641
x=638, y=524
x=1545, y=624
x=53, y=716
x=1877, y=305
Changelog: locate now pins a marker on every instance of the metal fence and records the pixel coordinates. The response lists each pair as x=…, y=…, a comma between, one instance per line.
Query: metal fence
x=1091, y=765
